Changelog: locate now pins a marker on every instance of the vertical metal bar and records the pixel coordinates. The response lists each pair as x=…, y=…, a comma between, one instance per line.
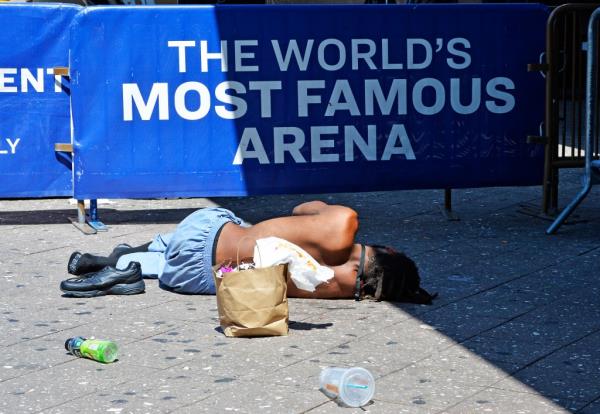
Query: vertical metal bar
x=573, y=100
x=94, y=210
x=564, y=91
x=81, y=211
x=558, y=82
x=554, y=192
x=580, y=88
x=450, y=215
x=591, y=91
x=596, y=114
x=550, y=120
x=94, y=221
x=448, y=199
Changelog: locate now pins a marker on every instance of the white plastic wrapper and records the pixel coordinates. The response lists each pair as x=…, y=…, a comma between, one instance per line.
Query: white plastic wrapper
x=305, y=271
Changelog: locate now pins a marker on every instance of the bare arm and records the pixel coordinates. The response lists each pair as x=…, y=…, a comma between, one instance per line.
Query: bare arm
x=333, y=289
x=341, y=286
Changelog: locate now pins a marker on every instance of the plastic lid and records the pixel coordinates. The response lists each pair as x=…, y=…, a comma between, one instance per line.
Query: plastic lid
x=357, y=387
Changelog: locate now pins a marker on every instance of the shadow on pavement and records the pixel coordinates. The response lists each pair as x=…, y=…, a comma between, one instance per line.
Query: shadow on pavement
x=307, y=326
x=107, y=215
x=520, y=301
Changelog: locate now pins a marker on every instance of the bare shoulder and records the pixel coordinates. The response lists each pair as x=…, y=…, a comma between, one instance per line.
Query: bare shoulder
x=345, y=220
x=335, y=228
x=337, y=221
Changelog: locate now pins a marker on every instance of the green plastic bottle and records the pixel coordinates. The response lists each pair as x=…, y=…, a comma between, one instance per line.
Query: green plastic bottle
x=96, y=349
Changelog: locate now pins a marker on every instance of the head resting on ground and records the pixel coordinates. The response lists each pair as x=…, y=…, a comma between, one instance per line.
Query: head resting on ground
x=392, y=276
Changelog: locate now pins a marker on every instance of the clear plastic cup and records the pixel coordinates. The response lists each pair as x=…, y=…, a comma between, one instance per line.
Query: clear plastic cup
x=352, y=386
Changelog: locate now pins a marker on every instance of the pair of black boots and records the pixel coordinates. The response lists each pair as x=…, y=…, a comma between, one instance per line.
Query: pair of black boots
x=98, y=276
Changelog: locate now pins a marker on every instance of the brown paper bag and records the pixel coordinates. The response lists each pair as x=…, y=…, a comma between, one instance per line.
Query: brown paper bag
x=253, y=302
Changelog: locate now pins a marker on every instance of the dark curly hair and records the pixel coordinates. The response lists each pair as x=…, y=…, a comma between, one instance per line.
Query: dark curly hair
x=393, y=276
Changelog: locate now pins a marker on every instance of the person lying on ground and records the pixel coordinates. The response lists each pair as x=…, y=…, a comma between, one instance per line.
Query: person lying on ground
x=183, y=260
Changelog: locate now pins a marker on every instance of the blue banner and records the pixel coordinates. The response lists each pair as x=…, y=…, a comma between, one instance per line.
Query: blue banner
x=34, y=101
x=236, y=100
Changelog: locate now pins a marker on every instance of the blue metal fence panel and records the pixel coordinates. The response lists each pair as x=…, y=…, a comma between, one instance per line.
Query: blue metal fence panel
x=591, y=172
x=34, y=101
x=235, y=100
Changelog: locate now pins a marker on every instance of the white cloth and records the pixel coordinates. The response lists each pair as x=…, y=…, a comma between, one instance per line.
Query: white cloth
x=305, y=271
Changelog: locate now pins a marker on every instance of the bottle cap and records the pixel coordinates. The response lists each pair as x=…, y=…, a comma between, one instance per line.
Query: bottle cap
x=71, y=340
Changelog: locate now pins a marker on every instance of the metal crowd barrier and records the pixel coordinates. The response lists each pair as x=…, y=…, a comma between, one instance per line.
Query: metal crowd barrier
x=592, y=166
x=565, y=108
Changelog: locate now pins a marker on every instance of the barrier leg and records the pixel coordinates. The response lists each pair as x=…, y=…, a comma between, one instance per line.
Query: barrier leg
x=94, y=222
x=569, y=209
x=447, y=210
x=80, y=221
x=81, y=211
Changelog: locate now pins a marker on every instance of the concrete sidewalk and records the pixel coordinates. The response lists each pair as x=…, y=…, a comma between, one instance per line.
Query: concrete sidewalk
x=516, y=328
